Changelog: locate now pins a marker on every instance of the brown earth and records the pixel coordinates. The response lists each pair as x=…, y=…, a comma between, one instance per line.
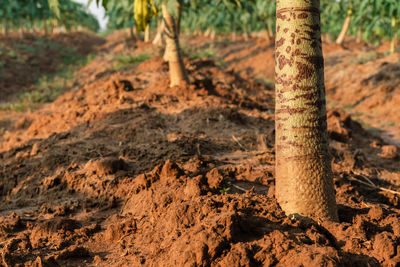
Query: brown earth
x=123, y=171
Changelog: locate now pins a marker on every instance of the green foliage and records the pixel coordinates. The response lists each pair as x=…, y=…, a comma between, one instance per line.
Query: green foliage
x=31, y=14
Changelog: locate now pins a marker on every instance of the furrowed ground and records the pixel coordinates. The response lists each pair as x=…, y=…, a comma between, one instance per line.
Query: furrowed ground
x=121, y=170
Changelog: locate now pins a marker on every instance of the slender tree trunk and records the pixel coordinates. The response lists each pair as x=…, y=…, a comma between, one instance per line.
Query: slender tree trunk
x=5, y=28
x=212, y=35
x=246, y=35
x=173, y=53
x=147, y=33
x=269, y=35
x=32, y=26
x=178, y=23
x=345, y=28
x=132, y=34
x=359, y=34
x=46, y=32
x=394, y=38
x=304, y=184
x=207, y=33
x=158, y=40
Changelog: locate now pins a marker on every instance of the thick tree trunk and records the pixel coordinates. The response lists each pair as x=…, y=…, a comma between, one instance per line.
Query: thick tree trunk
x=345, y=28
x=394, y=38
x=173, y=54
x=304, y=184
x=147, y=33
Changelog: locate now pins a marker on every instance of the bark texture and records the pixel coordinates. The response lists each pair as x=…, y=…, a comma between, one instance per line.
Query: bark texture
x=304, y=184
x=172, y=51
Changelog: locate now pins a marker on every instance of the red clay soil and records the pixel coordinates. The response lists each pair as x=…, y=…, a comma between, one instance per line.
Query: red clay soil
x=24, y=59
x=124, y=171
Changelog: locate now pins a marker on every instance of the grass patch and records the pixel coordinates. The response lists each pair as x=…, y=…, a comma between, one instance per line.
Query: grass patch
x=123, y=61
x=365, y=57
x=348, y=107
x=387, y=124
x=208, y=52
x=48, y=87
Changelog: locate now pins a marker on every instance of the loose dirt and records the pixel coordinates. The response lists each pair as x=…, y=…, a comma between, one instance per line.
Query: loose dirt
x=124, y=171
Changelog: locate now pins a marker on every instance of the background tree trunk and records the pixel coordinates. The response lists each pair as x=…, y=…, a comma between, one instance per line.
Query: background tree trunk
x=394, y=38
x=132, y=34
x=178, y=24
x=5, y=28
x=159, y=40
x=46, y=32
x=345, y=28
x=359, y=34
x=147, y=33
x=172, y=51
x=304, y=184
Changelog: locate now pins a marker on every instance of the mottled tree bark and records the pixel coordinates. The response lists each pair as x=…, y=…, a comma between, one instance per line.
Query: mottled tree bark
x=173, y=54
x=304, y=184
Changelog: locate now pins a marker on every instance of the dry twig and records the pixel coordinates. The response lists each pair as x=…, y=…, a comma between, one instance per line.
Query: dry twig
x=369, y=183
x=237, y=141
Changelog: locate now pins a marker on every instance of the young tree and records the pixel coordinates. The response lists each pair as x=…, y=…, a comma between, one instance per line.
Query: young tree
x=304, y=184
x=173, y=52
x=346, y=25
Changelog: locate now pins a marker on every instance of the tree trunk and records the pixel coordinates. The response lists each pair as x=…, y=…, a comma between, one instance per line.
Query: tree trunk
x=212, y=35
x=207, y=33
x=359, y=34
x=304, y=184
x=246, y=36
x=147, y=33
x=159, y=40
x=5, y=28
x=132, y=34
x=173, y=54
x=394, y=38
x=46, y=32
x=178, y=23
x=345, y=28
